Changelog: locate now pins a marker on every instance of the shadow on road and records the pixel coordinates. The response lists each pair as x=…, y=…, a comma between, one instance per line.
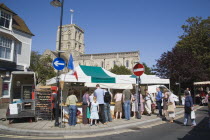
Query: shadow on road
x=201, y=131
x=204, y=110
x=178, y=122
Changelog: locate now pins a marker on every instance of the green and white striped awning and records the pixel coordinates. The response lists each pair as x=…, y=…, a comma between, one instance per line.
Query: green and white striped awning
x=98, y=75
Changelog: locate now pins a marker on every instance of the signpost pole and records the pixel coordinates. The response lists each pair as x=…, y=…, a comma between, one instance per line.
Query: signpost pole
x=138, y=70
x=139, y=103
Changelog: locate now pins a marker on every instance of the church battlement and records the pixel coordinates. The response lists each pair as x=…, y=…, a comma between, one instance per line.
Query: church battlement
x=109, y=55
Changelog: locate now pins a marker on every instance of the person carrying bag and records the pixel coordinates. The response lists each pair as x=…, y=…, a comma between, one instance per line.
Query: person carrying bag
x=189, y=110
x=171, y=107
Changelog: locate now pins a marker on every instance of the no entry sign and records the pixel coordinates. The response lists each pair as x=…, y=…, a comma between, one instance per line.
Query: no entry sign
x=138, y=69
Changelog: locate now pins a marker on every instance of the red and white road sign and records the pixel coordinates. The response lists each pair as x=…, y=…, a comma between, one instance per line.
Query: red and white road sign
x=138, y=69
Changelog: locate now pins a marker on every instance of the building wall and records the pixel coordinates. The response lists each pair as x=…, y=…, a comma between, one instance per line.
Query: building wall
x=23, y=48
x=19, y=58
x=108, y=60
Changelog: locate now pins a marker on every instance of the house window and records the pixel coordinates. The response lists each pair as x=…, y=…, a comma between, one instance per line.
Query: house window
x=5, y=47
x=127, y=63
x=5, y=19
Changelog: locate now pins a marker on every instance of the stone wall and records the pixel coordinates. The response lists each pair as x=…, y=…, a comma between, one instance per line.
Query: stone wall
x=108, y=60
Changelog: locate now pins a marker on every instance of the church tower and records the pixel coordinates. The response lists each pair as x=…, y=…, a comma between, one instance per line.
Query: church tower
x=72, y=39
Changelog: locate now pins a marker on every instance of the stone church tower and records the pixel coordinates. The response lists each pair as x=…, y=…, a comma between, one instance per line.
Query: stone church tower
x=72, y=42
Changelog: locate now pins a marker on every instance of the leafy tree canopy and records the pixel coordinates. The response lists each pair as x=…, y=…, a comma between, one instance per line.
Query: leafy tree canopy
x=147, y=70
x=189, y=60
x=121, y=70
x=41, y=65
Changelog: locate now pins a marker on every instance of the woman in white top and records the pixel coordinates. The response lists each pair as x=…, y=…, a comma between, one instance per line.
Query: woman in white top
x=148, y=102
x=171, y=102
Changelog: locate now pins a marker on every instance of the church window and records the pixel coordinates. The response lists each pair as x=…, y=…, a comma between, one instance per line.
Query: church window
x=76, y=35
x=68, y=45
x=127, y=63
x=114, y=63
x=102, y=64
x=75, y=45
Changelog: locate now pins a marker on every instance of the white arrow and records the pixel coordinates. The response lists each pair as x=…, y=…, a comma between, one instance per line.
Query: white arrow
x=57, y=63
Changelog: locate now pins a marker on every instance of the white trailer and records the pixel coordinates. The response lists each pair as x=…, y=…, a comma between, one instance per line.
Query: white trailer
x=22, y=101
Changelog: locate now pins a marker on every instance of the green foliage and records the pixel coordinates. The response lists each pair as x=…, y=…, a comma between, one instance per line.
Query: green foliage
x=189, y=60
x=147, y=70
x=41, y=65
x=121, y=70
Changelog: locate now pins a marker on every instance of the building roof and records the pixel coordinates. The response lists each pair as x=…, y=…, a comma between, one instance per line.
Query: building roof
x=6, y=8
x=18, y=22
x=55, y=53
x=111, y=53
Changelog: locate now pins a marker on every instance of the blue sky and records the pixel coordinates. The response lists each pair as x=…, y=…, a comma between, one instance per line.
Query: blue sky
x=149, y=26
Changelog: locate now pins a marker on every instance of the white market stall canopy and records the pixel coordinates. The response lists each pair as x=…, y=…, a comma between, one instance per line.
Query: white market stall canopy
x=91, y=75
x=152, y=80
x=202, y=83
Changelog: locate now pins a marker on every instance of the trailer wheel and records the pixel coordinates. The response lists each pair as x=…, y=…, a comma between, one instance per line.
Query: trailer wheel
x=35, y=119
x=11, y=121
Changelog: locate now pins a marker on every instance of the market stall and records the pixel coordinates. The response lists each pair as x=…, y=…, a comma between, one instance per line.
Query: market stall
x=201, y=89
x=89, y=76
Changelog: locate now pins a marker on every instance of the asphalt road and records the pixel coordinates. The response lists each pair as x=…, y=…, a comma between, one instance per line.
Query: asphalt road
x=158, y=131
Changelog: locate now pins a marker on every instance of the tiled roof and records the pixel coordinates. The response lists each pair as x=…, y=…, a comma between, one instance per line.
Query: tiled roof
x=6, y=8
x=17, y=23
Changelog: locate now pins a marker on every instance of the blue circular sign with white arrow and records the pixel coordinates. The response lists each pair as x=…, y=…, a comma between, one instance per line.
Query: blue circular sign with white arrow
x=59, y=63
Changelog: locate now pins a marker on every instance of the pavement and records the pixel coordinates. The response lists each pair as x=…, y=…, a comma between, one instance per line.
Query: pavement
x=46, y=128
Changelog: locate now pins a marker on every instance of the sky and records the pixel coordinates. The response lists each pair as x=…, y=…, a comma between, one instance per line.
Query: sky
x=151, y=27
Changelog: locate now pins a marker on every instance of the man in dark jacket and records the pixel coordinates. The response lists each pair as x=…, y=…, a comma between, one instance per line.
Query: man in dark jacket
x=188, y=108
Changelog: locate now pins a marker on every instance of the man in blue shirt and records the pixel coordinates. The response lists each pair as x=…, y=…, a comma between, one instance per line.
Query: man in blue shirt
x=99, y=94
x=159, y=100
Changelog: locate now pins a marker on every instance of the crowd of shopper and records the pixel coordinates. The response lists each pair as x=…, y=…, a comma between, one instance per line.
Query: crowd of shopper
x=96, y=105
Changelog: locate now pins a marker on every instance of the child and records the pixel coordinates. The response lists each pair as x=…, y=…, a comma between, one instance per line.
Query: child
x=94, y=111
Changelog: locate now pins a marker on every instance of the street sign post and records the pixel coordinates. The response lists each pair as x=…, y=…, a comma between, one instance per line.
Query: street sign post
x=138, y=70
x=59, y=63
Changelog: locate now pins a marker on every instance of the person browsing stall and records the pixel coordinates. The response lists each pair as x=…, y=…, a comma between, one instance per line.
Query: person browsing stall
x=71, y=103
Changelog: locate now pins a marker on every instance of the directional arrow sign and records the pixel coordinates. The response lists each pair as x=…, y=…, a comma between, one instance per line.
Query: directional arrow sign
x=58, y=63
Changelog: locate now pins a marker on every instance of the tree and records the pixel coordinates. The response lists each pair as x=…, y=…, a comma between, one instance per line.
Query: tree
x=147, y=70
x=41, y=65
x=120, y=70
x=189, y=60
